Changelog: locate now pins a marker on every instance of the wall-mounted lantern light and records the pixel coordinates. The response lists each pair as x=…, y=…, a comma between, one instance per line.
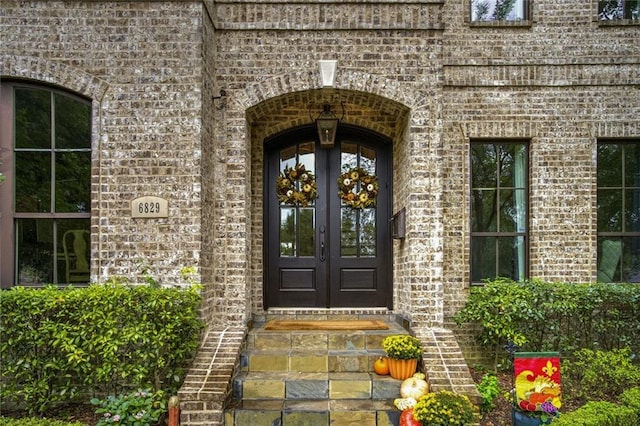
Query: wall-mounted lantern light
x=327, y=124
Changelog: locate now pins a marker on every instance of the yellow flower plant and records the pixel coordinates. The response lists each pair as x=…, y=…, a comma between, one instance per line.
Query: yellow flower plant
x=402, y=346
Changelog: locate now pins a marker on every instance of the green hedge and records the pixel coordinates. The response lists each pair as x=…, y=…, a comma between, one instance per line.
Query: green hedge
x=631, y=399
x=60, y=343
x=599, y=375
x=598, y=413
x=541, y=316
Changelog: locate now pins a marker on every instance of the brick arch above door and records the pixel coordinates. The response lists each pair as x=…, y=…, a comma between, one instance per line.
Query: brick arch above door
x=363, y=109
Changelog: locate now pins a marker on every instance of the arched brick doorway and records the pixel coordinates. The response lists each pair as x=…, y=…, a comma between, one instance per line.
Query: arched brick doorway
x=324, y=250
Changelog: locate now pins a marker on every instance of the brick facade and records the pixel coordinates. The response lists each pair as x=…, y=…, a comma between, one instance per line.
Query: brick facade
x=184, y=93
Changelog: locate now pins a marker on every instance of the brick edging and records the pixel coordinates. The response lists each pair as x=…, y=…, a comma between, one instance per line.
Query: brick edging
x=208, y=382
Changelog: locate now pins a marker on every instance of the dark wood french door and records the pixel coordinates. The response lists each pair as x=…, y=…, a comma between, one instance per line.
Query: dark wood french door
x=327, y=234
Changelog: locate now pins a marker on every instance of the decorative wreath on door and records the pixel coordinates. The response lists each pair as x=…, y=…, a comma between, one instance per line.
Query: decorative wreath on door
x=296, y=186
x=368, y=188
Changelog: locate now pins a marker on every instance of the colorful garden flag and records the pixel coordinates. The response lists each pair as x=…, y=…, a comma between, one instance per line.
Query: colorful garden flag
x=537, y=381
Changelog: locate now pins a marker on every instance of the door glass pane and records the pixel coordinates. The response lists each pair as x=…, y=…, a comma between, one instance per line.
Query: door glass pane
x=358, y=222
x=73, y=123
x=33, y=181
x=307, y=231
x=73, y=181
x=32, y=118
x=287, y=231
x=368, y=160
x=348, y=232
x=297, y=211
x=349, y=158
x=367, y=232
x=307, y=156
x=287, y=158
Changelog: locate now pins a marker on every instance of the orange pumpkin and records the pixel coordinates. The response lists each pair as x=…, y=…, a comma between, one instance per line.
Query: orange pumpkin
x=381, y=366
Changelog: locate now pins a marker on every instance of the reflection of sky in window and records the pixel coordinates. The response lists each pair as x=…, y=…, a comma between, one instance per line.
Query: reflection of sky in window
x=287, y=232
x=303, y=154
x=350, y=158
x=484, y=10
x=618, y=9
x=368, y=160
x=368, y=232
x=307, y=156
x=287, y=158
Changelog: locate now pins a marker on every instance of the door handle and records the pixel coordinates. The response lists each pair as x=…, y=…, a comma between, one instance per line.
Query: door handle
x=322, y=233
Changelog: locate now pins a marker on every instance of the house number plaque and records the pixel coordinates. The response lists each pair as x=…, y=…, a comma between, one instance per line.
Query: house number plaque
x=149, y=207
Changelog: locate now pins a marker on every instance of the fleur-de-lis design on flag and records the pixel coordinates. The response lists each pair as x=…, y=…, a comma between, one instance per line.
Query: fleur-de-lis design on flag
x=549, y=369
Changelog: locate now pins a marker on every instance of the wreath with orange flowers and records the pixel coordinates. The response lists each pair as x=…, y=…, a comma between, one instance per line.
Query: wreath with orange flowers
x=296, y=186
x=358, y=188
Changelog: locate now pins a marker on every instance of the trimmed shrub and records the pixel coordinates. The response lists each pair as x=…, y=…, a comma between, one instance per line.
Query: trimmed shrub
x=539, y=316
x=600, y=375
x=598, y=413
x=631, y=399
x=61, y=343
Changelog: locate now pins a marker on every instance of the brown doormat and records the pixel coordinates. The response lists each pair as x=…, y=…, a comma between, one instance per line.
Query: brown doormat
x=326, y=325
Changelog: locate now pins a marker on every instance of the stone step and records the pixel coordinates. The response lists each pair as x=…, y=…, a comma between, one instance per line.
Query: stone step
x=297, y=386
x=310, y=361
x=319, y=377
x=323, y=412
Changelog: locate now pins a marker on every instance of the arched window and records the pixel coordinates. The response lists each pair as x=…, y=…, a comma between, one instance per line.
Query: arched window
x=45, y=196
